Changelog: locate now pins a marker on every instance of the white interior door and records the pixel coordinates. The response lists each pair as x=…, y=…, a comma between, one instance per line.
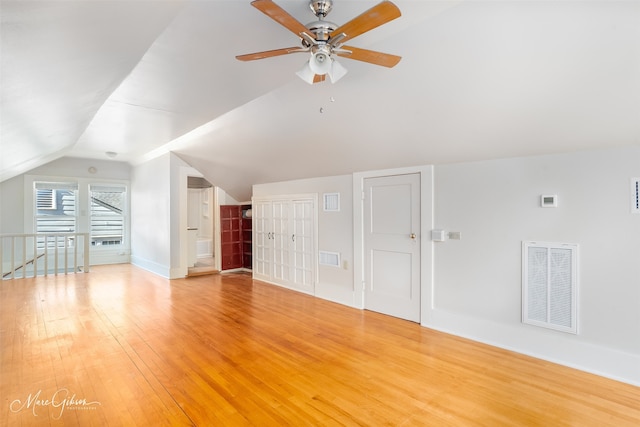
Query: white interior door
x=392, y=245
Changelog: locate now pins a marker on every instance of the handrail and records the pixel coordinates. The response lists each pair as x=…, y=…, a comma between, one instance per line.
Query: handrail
x=29, y=255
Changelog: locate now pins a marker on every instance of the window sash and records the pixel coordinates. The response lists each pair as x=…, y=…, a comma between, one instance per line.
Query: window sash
x=55, y=207
x=107, y=215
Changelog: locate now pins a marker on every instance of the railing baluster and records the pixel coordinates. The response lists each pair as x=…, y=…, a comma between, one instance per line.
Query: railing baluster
x=24, y=256
x=55, y=256
x=19, y=258
x=13, y=261
x=75, y=253
x=35, y=256
x=66, y=251
x=86, y=243
x=46, y=255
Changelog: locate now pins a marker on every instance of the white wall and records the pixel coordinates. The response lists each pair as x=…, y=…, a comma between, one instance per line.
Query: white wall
x=335, y=231
x=150, y=215
x=495, y=204
x=12, y=206
x=476, y=289
x=80, y=168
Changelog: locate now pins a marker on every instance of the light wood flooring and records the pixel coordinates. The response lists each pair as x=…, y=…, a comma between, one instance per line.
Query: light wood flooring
x=122, y=347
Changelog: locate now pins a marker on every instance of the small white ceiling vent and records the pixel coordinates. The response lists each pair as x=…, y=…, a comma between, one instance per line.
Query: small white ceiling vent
x=635, y=195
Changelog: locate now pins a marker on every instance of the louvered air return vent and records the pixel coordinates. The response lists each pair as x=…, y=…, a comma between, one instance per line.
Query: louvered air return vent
x=550, y=285
x=329, y=258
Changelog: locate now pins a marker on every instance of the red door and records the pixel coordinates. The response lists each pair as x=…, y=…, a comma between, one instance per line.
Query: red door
x=231, y=229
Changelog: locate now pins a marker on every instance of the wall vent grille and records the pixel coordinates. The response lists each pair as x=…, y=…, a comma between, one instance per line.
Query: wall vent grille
x=329, y=258
x=331, y=202
x=635, y=195
x=550, y=285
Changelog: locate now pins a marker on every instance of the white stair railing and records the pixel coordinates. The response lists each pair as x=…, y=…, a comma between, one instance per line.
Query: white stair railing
x=30, y=255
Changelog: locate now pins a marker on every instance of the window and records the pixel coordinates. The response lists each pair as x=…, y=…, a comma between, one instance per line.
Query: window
x=550, y=285
x=46, y=199
x=55, y=204
x=55, y=207
x=107, y=223
x=96, y=209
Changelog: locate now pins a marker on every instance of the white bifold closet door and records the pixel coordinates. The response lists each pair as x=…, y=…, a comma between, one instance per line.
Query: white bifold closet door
x=284, y=241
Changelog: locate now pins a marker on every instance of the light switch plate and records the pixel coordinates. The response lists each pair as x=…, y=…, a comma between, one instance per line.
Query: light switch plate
x=438, y=235
x=455, y=235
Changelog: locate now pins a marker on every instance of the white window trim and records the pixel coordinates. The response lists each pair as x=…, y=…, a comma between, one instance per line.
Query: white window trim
x=117, y=254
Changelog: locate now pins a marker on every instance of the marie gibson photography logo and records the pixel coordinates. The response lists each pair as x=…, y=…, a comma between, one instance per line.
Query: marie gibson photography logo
x=61, y=400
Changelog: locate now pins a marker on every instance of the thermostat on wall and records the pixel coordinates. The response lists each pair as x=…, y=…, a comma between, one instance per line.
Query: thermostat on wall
x=549, y=200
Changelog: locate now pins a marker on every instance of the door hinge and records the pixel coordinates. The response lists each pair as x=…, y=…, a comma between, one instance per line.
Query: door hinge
x=363, y=196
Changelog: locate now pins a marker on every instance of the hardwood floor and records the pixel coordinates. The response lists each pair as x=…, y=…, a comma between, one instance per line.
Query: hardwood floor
x=121, y=346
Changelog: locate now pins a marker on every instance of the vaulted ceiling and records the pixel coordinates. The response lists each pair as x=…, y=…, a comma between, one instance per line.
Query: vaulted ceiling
x=477, y=80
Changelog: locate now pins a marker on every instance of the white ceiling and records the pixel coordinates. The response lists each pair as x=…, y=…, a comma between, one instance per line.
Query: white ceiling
x=478, y=80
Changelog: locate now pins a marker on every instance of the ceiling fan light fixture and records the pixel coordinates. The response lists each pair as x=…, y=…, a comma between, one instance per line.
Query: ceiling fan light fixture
x=320, y=62
x=337, y=71
x=306, y=73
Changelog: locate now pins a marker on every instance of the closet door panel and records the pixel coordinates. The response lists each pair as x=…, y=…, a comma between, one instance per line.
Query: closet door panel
x=302, y=223
x=262, y=242
x=281, y=244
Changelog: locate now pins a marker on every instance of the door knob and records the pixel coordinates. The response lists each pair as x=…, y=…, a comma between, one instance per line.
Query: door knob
x=413, y=236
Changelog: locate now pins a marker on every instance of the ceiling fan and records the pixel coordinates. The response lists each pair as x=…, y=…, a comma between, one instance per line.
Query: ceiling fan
x=324, y=40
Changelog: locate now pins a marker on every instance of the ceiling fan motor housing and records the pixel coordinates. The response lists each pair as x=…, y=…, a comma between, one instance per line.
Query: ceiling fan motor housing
x=322, y=29
x=320, y=8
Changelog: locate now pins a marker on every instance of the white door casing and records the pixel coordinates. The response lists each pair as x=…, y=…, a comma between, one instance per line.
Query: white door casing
x=392, y=245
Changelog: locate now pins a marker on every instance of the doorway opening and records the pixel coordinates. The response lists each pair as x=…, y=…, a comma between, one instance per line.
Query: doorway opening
x=200, y=227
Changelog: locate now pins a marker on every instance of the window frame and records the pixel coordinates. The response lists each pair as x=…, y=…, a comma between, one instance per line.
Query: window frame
x=56, y=187
x=124, y=216
x=107, y=254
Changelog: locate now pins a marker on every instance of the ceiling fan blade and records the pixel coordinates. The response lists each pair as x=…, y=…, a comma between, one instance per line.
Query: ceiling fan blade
x=319, y=78
x=270, y=53
x=370, y=56
x=372, y=18
x=281, y=16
